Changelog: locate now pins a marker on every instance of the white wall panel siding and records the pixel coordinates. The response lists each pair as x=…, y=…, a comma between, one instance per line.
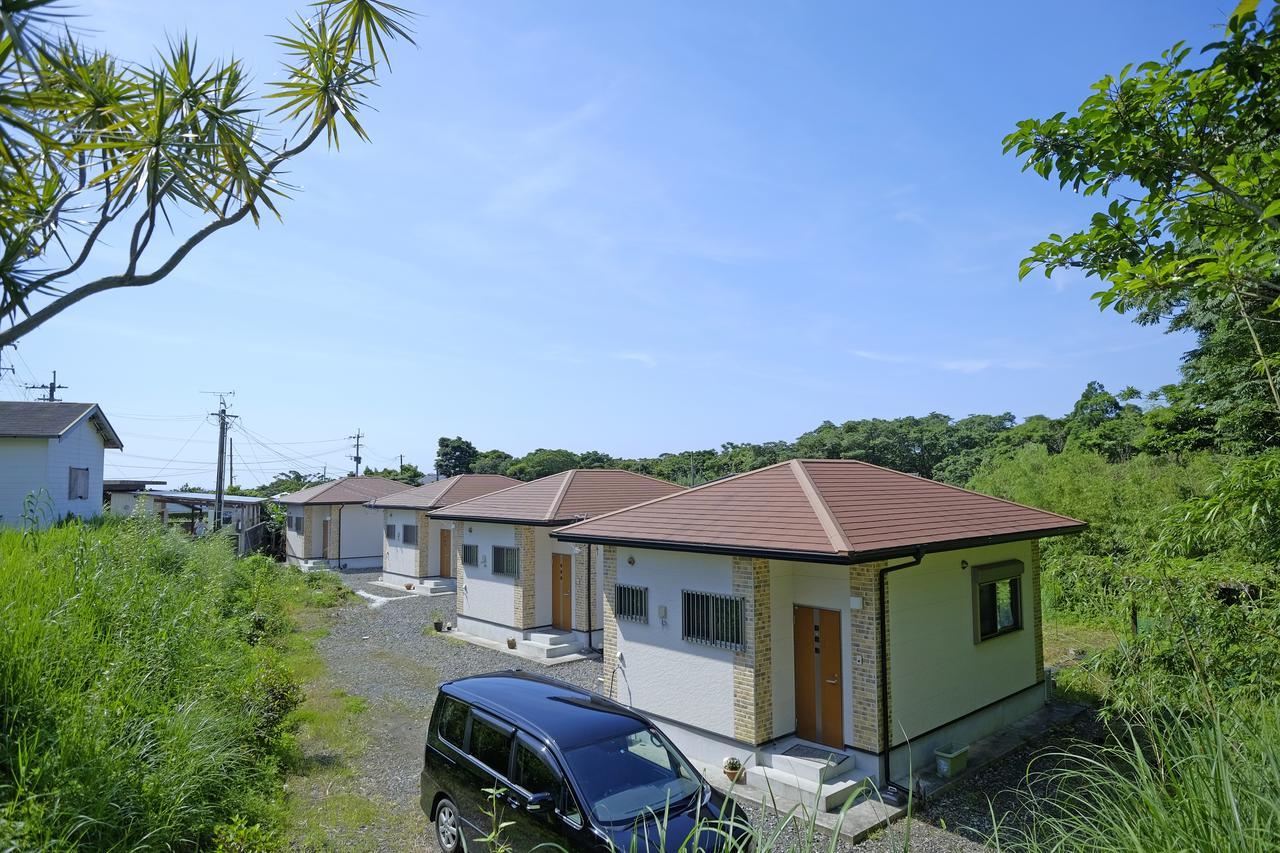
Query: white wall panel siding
x=397, y=557
x=938, y=672
x=488, y=596
x=24, y=468
x=660, y=672
x=80, y=447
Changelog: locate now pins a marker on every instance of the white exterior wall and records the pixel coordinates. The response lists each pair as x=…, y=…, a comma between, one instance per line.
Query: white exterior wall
x=81, y=447
x=937, y=672
x=398, y=558
x=293, y=541
x=658, y=671
x=361, y=541
x=24, y=468
x=488, y=597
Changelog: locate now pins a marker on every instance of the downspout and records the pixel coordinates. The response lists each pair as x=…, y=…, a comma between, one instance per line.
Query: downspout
x=884, y=663
x=339, y=536
x=590, y=599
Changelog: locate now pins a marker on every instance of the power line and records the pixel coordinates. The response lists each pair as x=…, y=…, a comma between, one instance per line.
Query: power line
x=51, y=388
x=184, y=445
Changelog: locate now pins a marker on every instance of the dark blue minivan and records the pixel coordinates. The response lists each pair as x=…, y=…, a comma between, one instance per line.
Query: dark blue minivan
x=566, y=769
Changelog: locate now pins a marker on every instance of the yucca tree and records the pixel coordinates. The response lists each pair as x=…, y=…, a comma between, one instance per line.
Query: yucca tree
x=91, y=144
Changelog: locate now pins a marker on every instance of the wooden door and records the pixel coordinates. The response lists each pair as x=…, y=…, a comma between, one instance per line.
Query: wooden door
x=446, y=553
x=819, y=674
x=324, y=539
x=562, y=591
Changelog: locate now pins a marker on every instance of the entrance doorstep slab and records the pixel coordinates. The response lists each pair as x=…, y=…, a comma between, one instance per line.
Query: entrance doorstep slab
x=425, y=587
x=528, y=653
x=853, y=824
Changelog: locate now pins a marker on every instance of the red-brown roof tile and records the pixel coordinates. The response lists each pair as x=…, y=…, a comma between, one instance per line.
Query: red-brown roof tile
x=563, y=497
x=348, y=490
x=840, y=510
x=451, y=490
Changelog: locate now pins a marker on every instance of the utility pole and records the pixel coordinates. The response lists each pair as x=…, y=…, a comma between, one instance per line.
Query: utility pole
x=49, y=389
x=356, y=438
x=220, y=491
x=402, y=461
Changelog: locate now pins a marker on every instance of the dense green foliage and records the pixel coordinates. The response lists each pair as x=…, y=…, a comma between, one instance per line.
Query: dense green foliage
x=142, y=702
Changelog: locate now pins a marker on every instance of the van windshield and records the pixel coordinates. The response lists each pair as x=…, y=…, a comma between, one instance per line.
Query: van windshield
x=626, y=776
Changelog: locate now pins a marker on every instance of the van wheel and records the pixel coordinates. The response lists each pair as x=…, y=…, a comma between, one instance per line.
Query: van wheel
x=449, y=827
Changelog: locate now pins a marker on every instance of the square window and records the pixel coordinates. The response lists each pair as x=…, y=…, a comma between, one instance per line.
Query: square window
x=997, y=599
x=631, y=603
x=409, y=534
x=506, y=561
x=713, y=620
x=391, y=533
x=470, y=555
x=78, y=484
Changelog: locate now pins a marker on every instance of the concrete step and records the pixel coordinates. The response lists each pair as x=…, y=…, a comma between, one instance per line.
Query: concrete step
x=812, y=769
x=438, y=586
x=546, y=651
x=829, y=795
x=556, y=639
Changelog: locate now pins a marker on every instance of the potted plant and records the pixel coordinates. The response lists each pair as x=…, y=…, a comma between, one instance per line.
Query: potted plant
x=511, y=642
x=732, y=769
x=409, y=587
x=952, y=762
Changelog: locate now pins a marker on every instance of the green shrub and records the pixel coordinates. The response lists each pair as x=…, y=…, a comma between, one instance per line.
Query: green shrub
x=139, y=707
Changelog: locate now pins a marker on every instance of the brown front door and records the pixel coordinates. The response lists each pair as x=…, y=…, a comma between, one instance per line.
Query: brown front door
x=446, y=553
x=562, y=591
x=324, y=539
x=819, y=676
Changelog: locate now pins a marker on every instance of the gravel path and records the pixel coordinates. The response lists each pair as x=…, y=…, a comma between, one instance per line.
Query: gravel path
x=383, y=655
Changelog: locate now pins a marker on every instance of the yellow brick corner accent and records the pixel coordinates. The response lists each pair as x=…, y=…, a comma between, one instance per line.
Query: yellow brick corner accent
x=753, y=664
x=586, y=563
x=309, y=524
x=459, y=571
x=864, y=655
x=525, y=614
x=335, y=538
x=609, y=623
x=424, y=542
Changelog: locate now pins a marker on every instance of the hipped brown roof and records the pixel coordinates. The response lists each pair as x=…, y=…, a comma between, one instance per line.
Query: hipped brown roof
x=451, y=490
x=348, y=490
x=830, y=510
x=561, y=498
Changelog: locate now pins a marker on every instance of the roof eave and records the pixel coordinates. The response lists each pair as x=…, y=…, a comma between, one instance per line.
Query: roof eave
x=850, y=558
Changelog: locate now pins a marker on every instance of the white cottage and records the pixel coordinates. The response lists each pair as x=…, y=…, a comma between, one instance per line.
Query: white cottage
x=514, y=581
x=416, y=547
x=825, y=621
x=330, y=523
x=54, y=453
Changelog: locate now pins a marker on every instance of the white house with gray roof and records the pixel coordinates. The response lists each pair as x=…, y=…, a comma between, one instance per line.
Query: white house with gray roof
x=52, y=453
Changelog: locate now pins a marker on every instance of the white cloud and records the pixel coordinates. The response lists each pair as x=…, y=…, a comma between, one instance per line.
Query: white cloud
x=954, y=365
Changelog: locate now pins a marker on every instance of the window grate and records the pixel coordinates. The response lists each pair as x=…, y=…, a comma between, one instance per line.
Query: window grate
x=506, y=561
x=391, y=532
x=711, y=619
x=470, y=555
x=631, y=603
x=409, y=534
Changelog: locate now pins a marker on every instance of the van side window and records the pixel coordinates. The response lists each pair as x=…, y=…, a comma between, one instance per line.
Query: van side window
x=490, y=745
x=453, y=721
x=535, y=775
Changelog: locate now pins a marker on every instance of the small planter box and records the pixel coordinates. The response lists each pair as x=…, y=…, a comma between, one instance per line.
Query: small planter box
x=952, y=762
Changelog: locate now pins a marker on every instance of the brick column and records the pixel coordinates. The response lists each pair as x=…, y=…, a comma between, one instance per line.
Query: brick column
x=1037, y=624
x=525, y=615
x=585, y=564
x=753, y=664
x=309, y=523
x=609, y=622
x=864, y=655
x=424, y=543
x=459, y=571
x=335, y=525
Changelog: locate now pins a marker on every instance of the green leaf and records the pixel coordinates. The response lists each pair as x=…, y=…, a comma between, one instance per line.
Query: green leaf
x=1273, y=209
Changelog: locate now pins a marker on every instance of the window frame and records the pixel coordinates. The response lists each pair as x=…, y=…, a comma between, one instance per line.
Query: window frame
x=438, y=728
x=475, y=552
x=404, y=534
x=564, y=796
x=515, y=556
x=495, y=723
x=75, y=474
x=989, y=574
x=634, y=593
x=389, y=532
x=732, y=604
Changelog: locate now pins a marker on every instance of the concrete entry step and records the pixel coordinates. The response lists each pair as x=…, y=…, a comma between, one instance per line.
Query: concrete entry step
x=557, y=638
x=830, y=794
x=809, y=761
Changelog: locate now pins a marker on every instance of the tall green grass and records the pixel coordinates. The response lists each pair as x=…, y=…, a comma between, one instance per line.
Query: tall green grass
x=139, y=706
x=1172, y=782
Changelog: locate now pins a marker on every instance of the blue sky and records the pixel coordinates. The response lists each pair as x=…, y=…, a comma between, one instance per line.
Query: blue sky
x=634, y=228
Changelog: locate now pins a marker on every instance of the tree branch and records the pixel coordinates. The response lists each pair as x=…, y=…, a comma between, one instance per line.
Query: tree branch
x=114, y=282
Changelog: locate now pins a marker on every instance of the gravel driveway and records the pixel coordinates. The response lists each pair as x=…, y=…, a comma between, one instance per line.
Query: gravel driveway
x=382, y=655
